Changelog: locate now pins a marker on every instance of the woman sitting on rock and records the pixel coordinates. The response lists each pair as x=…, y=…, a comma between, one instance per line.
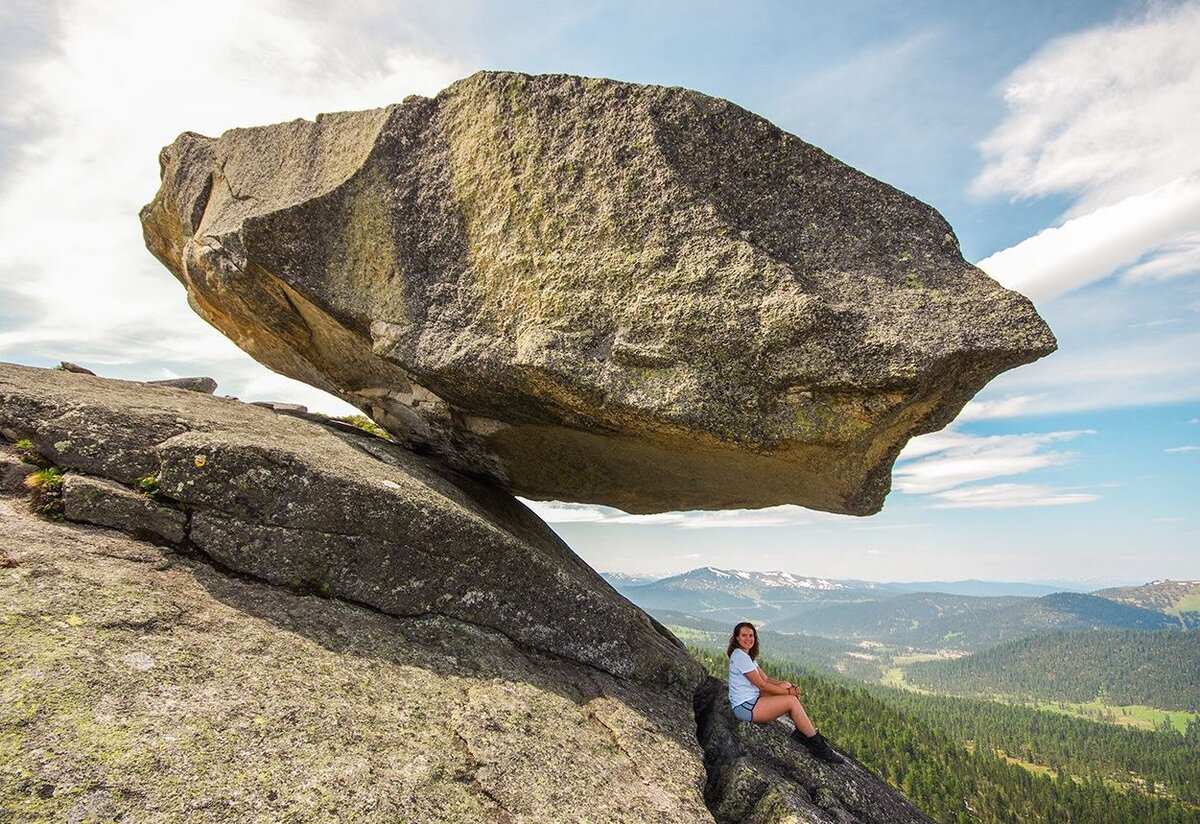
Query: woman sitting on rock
x=760, y=699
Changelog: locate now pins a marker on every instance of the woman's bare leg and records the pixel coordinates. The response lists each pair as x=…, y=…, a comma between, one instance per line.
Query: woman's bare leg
x=770, y=707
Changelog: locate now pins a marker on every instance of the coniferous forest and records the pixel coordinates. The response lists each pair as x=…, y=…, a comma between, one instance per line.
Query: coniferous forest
x=1158, y=669
x=970, y=760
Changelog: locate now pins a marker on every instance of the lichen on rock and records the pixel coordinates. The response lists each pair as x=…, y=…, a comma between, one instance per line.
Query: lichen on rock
x=328, y=627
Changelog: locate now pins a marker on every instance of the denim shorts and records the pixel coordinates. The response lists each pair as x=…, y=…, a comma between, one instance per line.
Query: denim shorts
x=745, y=710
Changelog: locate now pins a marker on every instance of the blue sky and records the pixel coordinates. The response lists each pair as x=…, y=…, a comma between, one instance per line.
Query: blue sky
x=1060, y=140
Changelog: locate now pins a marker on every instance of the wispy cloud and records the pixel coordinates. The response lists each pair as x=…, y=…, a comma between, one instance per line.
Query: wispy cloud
x=1119, y=371
x=1102, y=113
x=1188, y=448
x=556, y=512
x=1007, y=406
x=1007, y=496
x=1102, y=117
x=944, y=460
x=120, y=79
x=1171, y=261
x=869, y=72
x=1085, y=249
x=775, y=516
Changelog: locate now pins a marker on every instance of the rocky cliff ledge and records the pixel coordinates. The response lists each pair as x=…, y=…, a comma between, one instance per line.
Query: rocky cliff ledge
x=595, y=291
x=249, y=616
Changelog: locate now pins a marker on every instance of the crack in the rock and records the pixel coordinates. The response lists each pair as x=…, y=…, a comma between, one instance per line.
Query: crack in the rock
x=229, y=187
x=616, y=738
x=191, y=550
x=473, y=767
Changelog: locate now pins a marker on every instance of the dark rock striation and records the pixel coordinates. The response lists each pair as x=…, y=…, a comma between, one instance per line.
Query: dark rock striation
x=321, y=626
x=593, y=291
x=343, y=513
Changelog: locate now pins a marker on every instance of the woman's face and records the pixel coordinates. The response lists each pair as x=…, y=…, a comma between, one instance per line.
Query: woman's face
x=745, y=638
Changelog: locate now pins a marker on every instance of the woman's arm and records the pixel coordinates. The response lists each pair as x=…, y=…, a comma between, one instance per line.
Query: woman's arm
x=770, y=685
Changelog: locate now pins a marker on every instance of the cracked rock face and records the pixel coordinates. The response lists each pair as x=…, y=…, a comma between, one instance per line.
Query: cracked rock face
x=141, y=685
x=340, y=513
x=316, y=625
x=593, y=291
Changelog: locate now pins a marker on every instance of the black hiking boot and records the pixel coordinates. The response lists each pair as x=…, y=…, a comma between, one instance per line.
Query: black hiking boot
x=818, y=746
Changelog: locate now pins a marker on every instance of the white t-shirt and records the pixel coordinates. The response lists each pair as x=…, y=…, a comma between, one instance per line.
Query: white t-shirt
x=740, y=688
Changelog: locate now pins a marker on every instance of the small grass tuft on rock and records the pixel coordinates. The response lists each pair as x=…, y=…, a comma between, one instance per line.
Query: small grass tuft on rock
x=366, y=425
x=28, y=453
x=46, y=486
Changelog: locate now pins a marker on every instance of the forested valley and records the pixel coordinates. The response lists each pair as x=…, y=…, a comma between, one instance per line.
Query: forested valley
x=1158, y=669
x=970, y=760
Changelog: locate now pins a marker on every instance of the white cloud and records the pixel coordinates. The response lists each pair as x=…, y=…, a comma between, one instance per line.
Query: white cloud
x=1188, y=448
x=886, y=528
x=560, y=512
x=122, y=79
x=947, y=466
x=1106, y=113
x=1085, y=249
x=740, y=518
x=1008, y=406
x=1115, y=372
x=1007, y=496
x=1172, y=261
x=1107, y=117
x=941, y=461
x=557, y=512
x=868, y=73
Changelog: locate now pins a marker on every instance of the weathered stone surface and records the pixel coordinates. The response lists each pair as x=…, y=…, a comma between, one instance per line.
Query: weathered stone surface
x=104, y=503
x=361, y=518
x=202, y=384
x=13, y=472
x=593, y=291
x=756, y=773
x=67, y=366
x=143, y=686
x=418, y=690
x=187, y=694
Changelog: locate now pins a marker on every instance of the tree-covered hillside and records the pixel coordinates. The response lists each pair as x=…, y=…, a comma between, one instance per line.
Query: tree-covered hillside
x=942, y=753
x=1180, y=599
x=730, y=595
x=1159, y=669
x=830, y=654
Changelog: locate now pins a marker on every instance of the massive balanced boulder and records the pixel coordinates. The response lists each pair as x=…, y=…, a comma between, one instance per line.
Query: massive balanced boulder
x=593, y=291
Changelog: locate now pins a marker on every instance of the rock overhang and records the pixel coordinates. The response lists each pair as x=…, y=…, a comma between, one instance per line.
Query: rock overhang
x=594, y=291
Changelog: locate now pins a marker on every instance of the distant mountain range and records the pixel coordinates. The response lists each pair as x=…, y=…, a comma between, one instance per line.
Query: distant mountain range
x=979, y=588
x=935, y=620
x=961, y=615
x=726, y=595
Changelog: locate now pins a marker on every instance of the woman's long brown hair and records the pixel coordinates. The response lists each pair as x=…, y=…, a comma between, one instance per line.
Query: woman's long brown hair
x=733, y=644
